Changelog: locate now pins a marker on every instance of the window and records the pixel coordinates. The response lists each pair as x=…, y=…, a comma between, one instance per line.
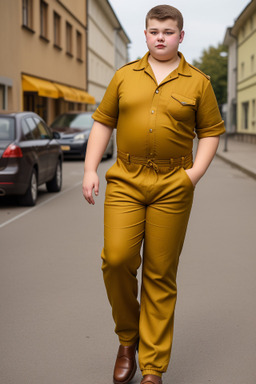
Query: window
x=33, y=127
x=26, y=131
x=7, y=129
x=252, y=23
x=43, y=19
x=253, y=110
x=245, y=114
x=79, y=45
x=242, y=70
x=56, y=29
x=2, y=97
x=252, y=64
x=69, y=38
x=27, y=19
x=44, y=132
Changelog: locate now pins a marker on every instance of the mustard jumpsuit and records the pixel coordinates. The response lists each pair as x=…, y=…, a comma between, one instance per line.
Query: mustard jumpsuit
x=149, y=197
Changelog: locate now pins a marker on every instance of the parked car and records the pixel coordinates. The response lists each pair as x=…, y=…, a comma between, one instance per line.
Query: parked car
x=74, y=129
x=29, y=156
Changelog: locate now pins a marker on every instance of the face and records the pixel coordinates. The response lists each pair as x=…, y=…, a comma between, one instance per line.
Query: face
x=163, y=38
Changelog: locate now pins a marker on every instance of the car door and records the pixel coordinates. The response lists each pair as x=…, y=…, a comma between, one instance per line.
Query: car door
x=40, y=145
x=52, y=147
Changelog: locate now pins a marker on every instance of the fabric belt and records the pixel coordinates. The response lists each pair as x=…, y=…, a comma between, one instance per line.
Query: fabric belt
x=172, y=163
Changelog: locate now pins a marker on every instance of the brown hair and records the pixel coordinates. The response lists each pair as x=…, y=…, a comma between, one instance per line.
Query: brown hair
x=163, y=12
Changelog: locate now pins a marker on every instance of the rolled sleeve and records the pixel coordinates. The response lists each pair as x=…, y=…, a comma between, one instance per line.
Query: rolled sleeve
x=107, y=111
x=209, y=122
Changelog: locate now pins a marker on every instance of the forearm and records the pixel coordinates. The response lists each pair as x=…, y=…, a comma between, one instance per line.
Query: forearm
x=97, y=143
x=206, y=150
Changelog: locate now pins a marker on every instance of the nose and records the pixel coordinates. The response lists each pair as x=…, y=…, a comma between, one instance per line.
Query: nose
x=160, y=36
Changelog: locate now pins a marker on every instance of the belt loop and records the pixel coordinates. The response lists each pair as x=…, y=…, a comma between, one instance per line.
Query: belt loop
x=183, y=162
x=128, y=158
x=171, y=163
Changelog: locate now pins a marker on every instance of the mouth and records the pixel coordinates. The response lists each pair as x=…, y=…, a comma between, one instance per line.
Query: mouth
x=160, y=46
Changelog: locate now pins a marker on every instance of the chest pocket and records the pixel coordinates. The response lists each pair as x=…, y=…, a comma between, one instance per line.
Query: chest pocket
x=182, y=108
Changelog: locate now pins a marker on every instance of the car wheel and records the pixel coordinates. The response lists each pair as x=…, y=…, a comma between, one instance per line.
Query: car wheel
x=55, y=184
x=30, y=197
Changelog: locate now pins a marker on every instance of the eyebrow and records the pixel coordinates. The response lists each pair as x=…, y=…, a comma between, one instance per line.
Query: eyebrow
x=156, y=29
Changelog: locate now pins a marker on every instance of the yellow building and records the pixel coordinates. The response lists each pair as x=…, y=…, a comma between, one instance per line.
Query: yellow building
x=244, y=30
x=43, y=65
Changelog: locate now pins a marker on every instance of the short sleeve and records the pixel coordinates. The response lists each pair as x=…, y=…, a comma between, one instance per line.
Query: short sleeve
x=208, y=118
x=107, y=111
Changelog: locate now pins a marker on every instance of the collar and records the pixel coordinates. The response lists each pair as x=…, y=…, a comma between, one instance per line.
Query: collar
x=183, y=68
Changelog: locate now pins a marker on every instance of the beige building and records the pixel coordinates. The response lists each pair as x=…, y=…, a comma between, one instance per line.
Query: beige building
x=231, y=106
x=58, y=55
x=242, y=63
x=107, y=47
x=43, y=64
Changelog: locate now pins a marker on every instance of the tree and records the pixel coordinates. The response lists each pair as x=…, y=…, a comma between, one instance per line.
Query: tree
x=213, y=62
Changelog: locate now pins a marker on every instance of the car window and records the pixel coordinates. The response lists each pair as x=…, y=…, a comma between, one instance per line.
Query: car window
x=7, y=128
x=34, y=128
x=81, y=121
x=43, y=129
x=26, y=131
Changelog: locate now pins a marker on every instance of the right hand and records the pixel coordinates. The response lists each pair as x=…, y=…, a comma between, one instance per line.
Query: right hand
x=90, y=183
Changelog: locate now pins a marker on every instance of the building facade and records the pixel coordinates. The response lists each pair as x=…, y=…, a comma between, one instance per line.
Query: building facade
x=231, y=107
x=44, y=65
x=107, y=47
x=46, y=62
x=241, y=40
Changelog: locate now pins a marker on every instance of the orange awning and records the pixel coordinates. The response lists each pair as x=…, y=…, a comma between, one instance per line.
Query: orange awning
x=84, y=97
x=56, y=90
x=67, y=93
x=42, y=87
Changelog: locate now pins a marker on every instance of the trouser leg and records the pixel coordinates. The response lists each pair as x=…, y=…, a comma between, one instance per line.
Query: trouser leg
x=165, y=228
x=123, y=233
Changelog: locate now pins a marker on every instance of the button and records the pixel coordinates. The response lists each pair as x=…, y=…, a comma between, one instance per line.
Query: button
x=152, y=111
x=151, y=130
x=157, y=91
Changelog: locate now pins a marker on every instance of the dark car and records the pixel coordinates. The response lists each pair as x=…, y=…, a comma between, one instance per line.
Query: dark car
x=29, y=156
x=74, y=129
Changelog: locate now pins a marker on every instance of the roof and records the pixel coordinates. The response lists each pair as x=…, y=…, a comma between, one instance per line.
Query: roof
x=244, y=15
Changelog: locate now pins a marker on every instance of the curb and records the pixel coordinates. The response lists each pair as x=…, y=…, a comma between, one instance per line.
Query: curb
x=238, y=166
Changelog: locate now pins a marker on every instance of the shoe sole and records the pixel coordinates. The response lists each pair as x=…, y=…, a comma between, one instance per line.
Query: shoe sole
x=129, y=378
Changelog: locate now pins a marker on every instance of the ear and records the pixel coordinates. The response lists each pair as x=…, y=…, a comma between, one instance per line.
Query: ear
x=182, y=34
x=145, y=33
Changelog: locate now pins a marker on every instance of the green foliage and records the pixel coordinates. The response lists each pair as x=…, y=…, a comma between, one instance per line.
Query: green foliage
x=213, y=62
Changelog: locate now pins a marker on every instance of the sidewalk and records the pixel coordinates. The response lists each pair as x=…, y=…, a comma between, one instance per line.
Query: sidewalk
x=240, y=155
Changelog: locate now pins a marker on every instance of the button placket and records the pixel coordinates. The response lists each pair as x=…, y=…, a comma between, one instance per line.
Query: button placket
x=152, y=123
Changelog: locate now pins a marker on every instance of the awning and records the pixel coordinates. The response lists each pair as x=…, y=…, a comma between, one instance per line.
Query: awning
x=56, y=90
x=67, y=93
x=43, y=87
x=84, y=97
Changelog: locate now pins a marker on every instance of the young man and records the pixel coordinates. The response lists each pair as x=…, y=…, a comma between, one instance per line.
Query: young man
x=158, y=104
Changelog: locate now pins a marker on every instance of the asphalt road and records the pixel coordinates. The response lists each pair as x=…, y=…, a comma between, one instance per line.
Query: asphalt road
x=55, y=321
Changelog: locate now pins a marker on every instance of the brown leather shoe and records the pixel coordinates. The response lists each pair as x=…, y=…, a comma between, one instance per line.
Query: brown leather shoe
x=151, y=379
x=125, y=366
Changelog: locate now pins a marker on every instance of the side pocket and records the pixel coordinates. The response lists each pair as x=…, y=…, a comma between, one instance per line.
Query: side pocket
x=109, y=172
x=187, y=178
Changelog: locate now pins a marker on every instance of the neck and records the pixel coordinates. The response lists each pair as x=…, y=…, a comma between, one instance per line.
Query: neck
x=168, y=62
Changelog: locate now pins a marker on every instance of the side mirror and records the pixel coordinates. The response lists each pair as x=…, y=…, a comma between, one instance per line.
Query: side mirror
x=56, y=135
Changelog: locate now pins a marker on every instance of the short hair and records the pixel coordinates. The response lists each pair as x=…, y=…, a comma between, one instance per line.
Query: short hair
x=164, y=12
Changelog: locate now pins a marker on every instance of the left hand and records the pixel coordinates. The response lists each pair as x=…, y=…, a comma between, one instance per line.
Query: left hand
x=192, y=174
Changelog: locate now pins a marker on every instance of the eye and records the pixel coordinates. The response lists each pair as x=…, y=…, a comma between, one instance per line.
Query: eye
x=153, y=33
x=169, y=33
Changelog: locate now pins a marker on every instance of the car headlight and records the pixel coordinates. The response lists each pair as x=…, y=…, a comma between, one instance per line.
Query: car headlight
x=81, y=136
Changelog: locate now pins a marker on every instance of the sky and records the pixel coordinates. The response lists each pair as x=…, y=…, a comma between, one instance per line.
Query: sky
x=205, y=22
